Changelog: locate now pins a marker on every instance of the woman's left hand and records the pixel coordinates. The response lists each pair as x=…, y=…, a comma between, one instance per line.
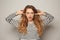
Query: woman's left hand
x=41, y=13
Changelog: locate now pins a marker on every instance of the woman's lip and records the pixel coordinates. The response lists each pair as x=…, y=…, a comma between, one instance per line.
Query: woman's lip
x=29, y=17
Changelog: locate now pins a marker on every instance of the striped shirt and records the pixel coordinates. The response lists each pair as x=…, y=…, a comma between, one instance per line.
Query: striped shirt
x=14, y=20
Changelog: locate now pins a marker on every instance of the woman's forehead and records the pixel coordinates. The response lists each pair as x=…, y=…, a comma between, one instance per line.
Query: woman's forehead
x=29, y=10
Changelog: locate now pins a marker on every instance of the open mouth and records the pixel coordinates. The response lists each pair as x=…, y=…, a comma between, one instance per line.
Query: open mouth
x=29, y=17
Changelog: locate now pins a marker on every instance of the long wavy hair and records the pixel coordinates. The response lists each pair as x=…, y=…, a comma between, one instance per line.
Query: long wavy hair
x=22, y=27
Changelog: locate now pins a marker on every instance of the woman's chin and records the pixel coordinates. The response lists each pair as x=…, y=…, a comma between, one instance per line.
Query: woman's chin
x=29, y=19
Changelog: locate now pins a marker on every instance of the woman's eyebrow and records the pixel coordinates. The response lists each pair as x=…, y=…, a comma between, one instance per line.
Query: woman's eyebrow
x=32, y=12
x=28, y=12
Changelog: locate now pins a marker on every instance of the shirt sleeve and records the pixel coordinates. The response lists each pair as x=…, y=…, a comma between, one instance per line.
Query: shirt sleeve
x=47, y=18
x=10, y=19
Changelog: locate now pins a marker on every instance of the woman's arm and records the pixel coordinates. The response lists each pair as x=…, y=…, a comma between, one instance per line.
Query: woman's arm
x=10, y=19
x=47, y=18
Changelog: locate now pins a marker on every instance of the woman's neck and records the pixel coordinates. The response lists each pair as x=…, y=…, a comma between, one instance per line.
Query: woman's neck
x=30, y=21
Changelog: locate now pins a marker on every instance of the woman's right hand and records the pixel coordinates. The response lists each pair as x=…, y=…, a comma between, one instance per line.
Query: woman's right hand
x=19, y=12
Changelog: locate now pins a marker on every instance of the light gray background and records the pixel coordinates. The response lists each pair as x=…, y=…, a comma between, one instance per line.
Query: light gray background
x=8, y=32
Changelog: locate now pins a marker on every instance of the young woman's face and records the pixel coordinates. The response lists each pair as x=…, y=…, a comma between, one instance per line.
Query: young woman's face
x=29, y=14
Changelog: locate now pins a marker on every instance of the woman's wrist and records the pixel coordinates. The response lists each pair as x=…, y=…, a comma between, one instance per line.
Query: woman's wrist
x=40, y=13
x=18, y=13
x=36, y=14
x=44, y=13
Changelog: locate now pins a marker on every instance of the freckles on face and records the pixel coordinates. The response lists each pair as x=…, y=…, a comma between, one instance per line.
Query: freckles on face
x=29, y=14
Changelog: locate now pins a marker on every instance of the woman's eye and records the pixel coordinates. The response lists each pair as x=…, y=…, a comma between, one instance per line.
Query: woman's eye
x=32, y=13
x=27, y=13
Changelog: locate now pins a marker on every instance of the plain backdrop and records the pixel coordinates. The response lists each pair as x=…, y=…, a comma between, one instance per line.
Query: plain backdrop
x=7, y=7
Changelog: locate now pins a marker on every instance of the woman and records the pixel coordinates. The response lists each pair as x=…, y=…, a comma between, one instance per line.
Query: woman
x=31, y=22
